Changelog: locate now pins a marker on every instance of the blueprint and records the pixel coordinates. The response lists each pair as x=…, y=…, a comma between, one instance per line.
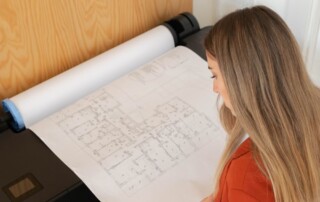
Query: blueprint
x=151, y=135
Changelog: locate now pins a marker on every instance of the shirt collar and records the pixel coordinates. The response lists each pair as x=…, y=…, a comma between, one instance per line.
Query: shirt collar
x=244, y=148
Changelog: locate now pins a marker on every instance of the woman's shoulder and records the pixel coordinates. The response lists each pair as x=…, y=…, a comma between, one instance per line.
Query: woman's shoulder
x=244, y=178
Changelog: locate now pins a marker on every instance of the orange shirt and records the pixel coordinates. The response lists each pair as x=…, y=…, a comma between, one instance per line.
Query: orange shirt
x=241, y=179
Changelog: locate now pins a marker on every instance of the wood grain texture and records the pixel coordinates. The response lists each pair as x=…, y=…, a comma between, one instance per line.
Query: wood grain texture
x=42, y=38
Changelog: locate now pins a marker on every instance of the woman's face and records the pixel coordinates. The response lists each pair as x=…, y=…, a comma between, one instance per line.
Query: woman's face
x=218, y=82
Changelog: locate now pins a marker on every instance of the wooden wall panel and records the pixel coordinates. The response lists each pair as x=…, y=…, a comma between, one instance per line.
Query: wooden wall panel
x=41, y=38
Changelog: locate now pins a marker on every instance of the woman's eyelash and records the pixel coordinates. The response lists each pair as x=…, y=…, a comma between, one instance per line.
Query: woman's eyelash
x=213, y=77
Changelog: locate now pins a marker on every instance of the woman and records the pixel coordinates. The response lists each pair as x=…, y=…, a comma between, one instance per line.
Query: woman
x=259, y=72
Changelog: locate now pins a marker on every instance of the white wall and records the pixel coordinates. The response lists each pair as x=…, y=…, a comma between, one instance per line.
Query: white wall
x=303, y=18
x=315, y=70
x=295, y=12
x=204, y=11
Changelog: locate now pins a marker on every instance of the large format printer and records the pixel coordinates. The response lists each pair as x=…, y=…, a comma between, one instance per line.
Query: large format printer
x=30, y=172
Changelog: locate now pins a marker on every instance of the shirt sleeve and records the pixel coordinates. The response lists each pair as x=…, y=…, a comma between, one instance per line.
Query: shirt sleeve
x=236, y=195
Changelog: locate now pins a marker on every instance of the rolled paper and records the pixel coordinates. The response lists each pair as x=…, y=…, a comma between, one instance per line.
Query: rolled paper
x=58, y=92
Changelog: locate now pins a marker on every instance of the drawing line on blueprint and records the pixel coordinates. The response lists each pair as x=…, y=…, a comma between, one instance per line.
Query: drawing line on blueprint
x=157, y=68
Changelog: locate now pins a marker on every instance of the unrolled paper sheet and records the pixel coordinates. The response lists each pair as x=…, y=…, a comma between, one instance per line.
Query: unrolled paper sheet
x=151, y=136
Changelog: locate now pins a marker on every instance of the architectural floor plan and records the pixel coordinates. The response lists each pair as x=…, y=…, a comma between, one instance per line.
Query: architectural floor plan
x=140, y=127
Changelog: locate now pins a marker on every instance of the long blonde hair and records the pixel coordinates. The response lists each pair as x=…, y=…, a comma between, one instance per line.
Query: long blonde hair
x=273, y=98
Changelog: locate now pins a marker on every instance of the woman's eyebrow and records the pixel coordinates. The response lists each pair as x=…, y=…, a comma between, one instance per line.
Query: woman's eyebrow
x=209, y=67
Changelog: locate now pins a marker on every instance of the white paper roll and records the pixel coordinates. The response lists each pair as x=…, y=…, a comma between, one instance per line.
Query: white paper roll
x=52, y=95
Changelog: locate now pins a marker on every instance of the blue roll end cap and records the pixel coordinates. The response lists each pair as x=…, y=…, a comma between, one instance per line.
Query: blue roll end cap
x=17, y=123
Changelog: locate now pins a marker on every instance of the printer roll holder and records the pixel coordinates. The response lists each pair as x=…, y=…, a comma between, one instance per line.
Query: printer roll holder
x=181, y=27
